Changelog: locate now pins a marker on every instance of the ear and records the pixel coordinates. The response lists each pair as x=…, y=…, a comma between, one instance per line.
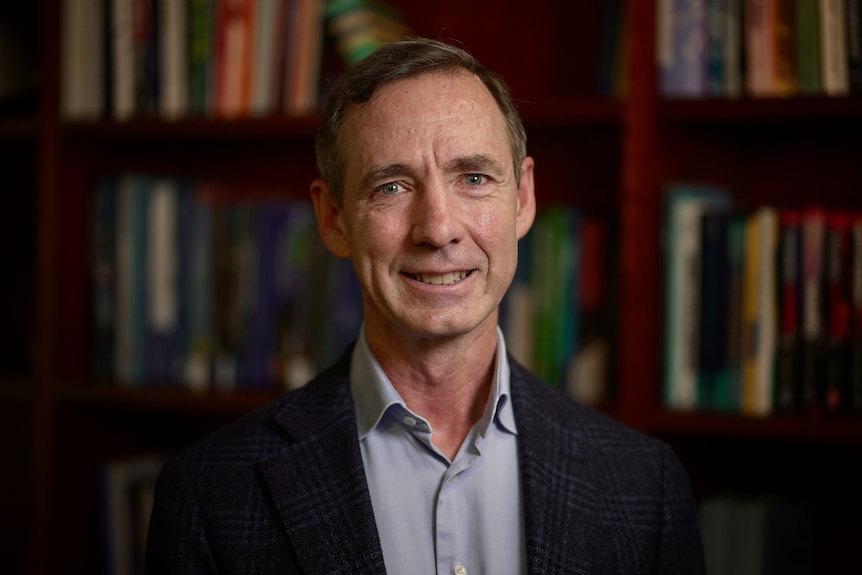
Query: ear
x=329, y=224
x=526, y=207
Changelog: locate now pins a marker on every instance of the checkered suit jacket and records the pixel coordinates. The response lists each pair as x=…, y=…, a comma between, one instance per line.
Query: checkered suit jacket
x=283, y=491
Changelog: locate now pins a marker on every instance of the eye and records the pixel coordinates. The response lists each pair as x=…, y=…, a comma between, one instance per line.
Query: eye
x=474, y=179
x=390, y=188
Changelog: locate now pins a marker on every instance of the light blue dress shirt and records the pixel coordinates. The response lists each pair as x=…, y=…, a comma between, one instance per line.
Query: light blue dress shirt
x=435, y=516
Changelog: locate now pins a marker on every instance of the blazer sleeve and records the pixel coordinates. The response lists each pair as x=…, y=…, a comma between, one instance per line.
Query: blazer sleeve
x=680, y=547
x=176, y=539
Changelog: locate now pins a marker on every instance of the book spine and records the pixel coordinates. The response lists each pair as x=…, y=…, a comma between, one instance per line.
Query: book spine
x=833, y=47
x=837, y=390
x=712, y=355
x=788, y=381
x=684, y=67
x=808, y=58
x=813, y=316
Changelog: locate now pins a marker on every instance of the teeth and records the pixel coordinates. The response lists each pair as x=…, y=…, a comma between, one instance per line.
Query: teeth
x=448, y=278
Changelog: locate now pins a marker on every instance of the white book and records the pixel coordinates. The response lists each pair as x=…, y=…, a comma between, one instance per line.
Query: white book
x=163, y=304
x=82, y=73
x=267, y=21
x=123, y=59
x=833, y=44
x=173, y=58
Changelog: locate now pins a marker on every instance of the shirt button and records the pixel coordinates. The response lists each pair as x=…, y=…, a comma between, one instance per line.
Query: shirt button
x=410, y=420
x=459, y=570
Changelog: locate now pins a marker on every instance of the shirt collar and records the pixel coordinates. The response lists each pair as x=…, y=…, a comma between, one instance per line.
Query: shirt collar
x=374, y=394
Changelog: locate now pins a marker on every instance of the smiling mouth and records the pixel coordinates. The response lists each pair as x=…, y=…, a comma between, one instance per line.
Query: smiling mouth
x=448, y=278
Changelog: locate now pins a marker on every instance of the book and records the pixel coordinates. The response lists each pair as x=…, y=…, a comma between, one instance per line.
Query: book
x=590, y=371
x=232, y=60
x=82, y=67
x=713, y=311
x=833, y=48
x=853, y=17
x=132, y=190
x=685, y=205
x=788, y=366
x=808, y=47
x=682, y=48
x=161, y=279
x=838, y=285
x=268, y=45
x=302, y=78
x=122, y=59
x=813, y=310
x=759, y=312
x=770, y=31
x=555, y=262
x=785, y=47
x=727, y=399
x=173, y=61
x=201, y=55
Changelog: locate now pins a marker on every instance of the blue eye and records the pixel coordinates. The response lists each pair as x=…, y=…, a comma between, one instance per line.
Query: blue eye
x=390, y=188
x=474, y=179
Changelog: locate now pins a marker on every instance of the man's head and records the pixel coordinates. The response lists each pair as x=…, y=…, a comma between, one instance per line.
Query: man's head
x=396, y=61
x=428, y=199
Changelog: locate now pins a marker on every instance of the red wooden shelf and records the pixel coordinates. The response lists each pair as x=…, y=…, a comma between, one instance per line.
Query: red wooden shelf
x=164, y=399
x=193, y=128
x=796, y=109
x=814, y=428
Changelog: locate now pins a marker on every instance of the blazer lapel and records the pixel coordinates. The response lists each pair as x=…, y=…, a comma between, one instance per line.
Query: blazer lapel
x=318, y=484
x=557, y=479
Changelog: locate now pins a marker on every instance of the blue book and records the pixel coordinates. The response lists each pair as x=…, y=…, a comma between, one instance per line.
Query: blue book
x=682, y=53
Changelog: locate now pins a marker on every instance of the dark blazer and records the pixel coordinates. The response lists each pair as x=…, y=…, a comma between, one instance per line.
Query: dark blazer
x=283, y=490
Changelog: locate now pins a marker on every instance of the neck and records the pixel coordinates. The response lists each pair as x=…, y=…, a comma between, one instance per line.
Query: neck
x=446, y=382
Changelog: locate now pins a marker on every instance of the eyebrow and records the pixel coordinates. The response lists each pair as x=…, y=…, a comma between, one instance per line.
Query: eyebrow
x=383, y=174
x=482, y=163
x=477, y=163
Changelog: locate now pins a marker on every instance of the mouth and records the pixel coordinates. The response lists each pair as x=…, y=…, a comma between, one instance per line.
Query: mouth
x=449, y=278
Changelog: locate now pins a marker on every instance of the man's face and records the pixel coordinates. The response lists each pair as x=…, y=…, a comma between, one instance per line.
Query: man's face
x=432, y=213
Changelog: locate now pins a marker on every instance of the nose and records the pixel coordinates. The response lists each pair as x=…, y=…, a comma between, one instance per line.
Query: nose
x=437, y=215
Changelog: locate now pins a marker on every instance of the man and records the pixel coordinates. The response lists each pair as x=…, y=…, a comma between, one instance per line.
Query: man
x=425, y=449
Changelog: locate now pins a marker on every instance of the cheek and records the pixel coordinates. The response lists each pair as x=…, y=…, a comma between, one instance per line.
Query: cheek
x=377, y=237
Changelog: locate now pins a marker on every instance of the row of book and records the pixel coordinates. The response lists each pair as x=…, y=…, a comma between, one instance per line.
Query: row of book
x=556, y=315
x=213, y=285
x=759, y=48
x=763, y=306
x=214, y=58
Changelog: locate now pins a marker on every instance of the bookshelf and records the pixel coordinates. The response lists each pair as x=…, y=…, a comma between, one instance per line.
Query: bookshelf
x=609, y=156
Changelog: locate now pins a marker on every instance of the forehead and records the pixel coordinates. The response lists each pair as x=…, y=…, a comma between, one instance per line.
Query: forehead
x=444, y=109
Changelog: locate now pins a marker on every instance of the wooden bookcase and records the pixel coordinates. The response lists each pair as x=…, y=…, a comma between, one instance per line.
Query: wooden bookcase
x=612, y=156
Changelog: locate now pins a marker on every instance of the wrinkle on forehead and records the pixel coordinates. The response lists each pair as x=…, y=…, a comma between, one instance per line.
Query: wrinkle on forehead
x=434, y=111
